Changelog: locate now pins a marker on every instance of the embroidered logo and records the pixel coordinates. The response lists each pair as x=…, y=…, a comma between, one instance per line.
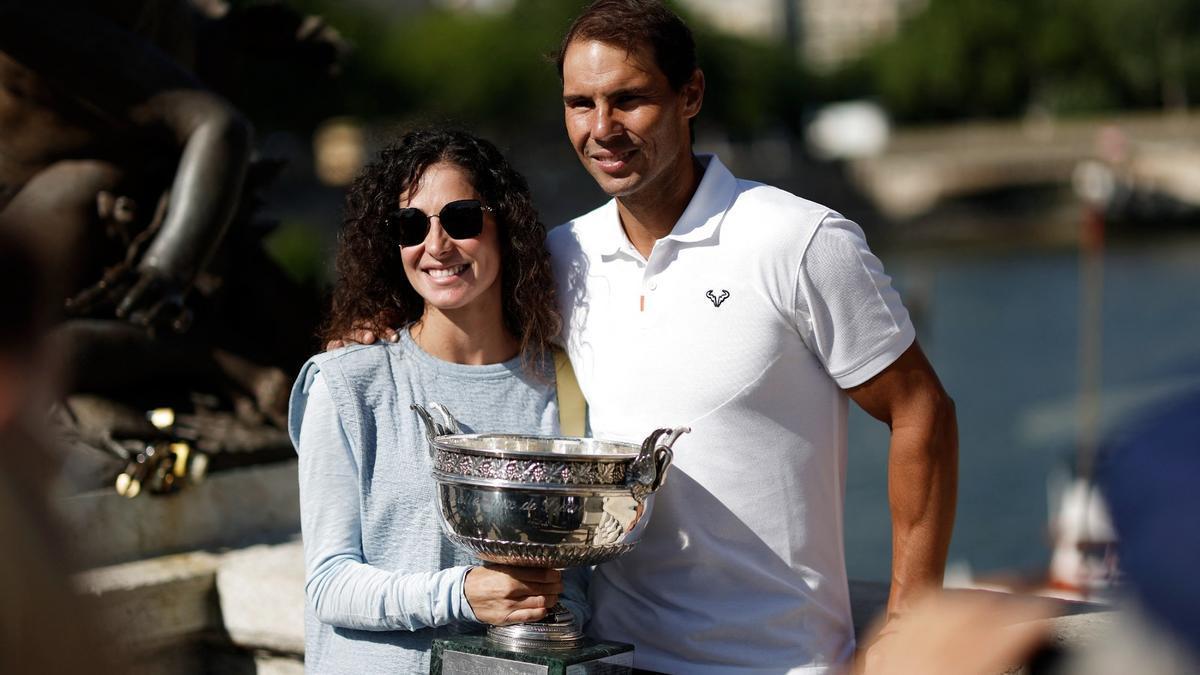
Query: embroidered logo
x=718, y=299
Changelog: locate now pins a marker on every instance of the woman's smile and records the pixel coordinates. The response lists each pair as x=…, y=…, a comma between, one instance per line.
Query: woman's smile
x=445, y=272
x=451, y=274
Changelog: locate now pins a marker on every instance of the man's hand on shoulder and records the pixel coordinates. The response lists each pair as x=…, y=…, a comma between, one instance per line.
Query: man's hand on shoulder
x=362, y=336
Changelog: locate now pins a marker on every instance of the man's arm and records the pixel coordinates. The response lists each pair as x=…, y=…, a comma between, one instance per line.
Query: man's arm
x=922, y=470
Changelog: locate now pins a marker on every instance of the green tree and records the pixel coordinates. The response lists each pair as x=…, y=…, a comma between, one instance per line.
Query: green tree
x=494, y=70
x=985, y=58
x=958, y=57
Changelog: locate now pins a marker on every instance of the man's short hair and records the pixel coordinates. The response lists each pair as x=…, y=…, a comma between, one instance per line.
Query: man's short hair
x=633, y=25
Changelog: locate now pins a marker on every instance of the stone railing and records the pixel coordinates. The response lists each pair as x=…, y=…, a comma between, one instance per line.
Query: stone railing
x=212, y=579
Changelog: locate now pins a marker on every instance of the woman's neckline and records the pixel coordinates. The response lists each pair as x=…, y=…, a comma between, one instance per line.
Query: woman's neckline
x=411, y=346
x=458, y=340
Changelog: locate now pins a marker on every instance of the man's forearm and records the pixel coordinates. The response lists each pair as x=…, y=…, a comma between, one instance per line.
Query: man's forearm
x=922, y=491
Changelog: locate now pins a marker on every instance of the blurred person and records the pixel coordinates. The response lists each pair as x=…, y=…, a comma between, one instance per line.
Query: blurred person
x=440, y=239
x=961, y=632
x=1150, y=475
x=44, y=626
x=22, y=321
x=752, y=316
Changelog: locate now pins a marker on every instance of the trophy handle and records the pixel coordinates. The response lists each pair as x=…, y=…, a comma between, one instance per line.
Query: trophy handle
x=449, y=421
x=664, y=455
x=649, y=470
x=433, y=429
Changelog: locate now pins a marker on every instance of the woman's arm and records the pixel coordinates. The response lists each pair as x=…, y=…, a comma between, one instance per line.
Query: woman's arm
x=342, y=589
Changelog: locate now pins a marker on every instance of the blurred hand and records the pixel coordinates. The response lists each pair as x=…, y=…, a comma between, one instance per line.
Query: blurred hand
x=957, y=633
x=362, y=336
x=501, y=595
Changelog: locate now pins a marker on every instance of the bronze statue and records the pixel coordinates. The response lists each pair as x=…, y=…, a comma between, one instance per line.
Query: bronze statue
x=125, y=172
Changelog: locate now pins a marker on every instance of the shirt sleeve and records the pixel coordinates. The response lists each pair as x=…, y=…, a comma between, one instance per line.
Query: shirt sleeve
x=342, y=589
x=846, y=309
x=575, y=593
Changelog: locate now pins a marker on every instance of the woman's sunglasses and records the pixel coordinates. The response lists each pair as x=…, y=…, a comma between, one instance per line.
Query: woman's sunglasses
x=462, y=219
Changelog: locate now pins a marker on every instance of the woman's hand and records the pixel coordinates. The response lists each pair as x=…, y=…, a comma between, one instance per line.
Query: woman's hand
x=501, y=595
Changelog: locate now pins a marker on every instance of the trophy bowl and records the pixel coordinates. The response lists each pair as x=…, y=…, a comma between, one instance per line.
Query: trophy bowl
x=543, y=501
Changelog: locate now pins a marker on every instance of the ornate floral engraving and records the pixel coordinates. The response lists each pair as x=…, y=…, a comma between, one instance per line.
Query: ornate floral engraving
x=530, y=470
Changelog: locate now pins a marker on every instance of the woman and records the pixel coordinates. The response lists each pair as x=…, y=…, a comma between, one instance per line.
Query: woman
x=440, y=238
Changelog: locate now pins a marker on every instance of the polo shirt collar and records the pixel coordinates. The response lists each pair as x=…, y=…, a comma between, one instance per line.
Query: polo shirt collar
x=700, y=219
x=708, y=206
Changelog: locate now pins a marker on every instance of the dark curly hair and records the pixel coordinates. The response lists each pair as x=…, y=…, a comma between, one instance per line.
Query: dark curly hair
x=372, y=290
x=633, y=25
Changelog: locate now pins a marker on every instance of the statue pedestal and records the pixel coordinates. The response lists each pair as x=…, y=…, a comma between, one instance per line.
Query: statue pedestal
x=475, y=655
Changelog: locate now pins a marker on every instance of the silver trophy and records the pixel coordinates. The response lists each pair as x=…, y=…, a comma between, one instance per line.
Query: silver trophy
x=538, y=501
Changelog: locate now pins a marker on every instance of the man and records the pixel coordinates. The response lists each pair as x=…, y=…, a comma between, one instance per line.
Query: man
x=751, y=315
x=35, y=570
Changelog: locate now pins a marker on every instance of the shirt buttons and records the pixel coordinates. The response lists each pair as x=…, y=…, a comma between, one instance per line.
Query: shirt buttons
x=653, y=285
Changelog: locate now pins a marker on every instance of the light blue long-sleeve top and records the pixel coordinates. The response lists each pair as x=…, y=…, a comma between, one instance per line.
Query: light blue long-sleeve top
x=381, y=580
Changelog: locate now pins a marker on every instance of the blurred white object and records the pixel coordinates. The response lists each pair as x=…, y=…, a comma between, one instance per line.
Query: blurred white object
x=849, y=130
x=1094, y=182
x=161, y=418
x=1084, y=562
x=339, y=151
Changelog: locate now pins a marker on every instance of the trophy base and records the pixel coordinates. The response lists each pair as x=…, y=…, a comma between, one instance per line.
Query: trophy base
x=557, y=632
x=478, y=655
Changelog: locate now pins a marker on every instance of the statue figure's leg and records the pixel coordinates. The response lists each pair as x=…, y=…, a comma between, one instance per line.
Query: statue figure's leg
x=108, y=356
x=115, y=358
x=56, y=214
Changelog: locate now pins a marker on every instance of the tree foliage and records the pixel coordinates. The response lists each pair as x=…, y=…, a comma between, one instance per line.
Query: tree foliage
x=987, y=58
x=495, y=69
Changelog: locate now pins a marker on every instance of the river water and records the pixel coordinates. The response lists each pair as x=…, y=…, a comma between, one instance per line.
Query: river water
x=1003, y=331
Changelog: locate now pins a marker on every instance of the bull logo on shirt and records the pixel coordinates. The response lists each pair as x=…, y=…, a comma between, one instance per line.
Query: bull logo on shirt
x=717, y=299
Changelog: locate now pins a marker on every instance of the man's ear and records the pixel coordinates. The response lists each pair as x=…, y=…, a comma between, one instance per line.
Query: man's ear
x=693, y=94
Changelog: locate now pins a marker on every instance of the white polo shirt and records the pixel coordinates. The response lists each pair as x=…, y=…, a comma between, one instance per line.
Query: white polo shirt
x=745, y=323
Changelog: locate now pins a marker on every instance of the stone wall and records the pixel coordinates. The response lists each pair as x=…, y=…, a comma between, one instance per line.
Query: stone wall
x=211, y=580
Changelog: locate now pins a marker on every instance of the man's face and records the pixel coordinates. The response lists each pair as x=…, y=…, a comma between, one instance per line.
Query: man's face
x=626, y=123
